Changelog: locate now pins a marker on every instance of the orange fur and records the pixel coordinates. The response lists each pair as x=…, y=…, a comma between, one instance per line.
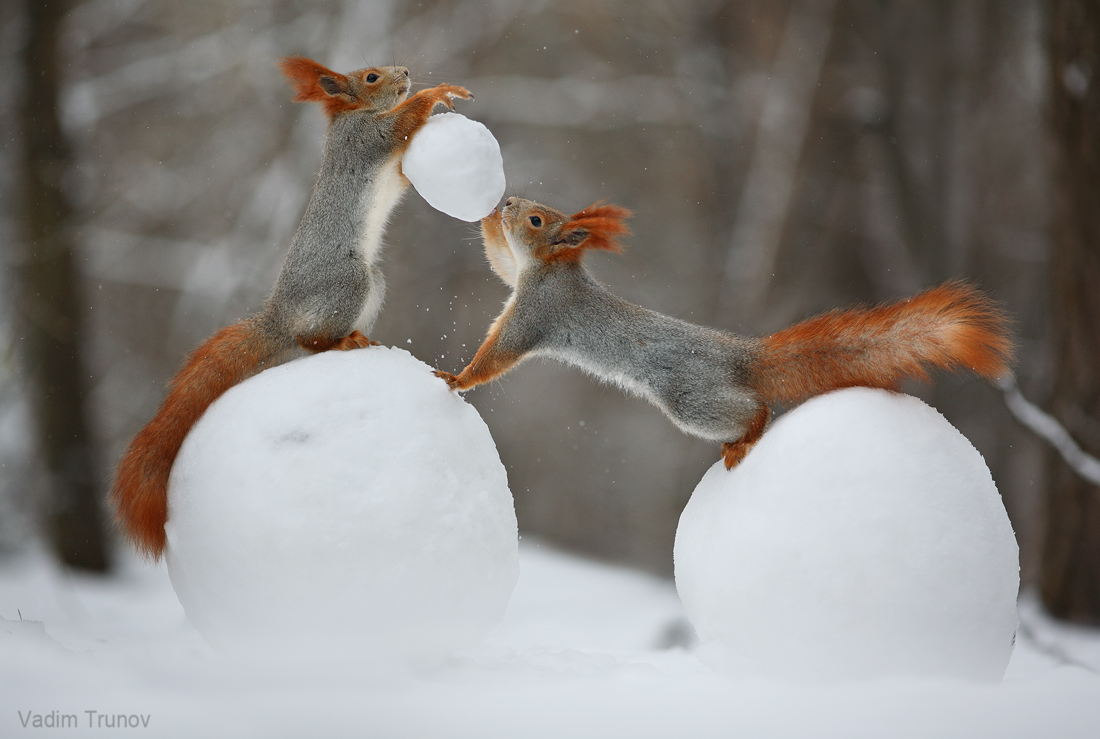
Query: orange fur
x=735, y=451
x=354, y=340
x=497, y=250
x=488, y=363
x=304, y=75
x=414, y=112
x=603, y=224
x=951, y=326
x=232, y=355
x=140, y=490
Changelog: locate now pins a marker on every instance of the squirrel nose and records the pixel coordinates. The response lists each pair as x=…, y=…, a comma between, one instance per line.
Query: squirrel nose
x=509, y=202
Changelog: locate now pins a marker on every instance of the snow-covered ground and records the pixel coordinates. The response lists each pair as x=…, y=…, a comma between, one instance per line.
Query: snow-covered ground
x=585, y=650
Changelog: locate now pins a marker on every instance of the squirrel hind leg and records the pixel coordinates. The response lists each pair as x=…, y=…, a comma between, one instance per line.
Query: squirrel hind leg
x=734, y=451
x=354, y=340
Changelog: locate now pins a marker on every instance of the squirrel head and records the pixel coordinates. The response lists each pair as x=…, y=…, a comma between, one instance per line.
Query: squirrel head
x=538, y=232
x=376, y=89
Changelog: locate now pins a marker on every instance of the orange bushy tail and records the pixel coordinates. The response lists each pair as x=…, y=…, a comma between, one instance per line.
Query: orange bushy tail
x=952, y=326
x=140, y=489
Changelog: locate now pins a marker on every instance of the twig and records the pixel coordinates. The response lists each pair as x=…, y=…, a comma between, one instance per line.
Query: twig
x=1051, y=649
x=1046, y=426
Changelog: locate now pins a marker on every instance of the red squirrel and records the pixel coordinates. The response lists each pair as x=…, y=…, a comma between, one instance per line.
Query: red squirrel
x=329, y=290
x=710, y=383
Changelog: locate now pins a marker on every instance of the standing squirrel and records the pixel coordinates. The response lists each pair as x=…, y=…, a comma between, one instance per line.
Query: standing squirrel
x=710, y=383
x=329, y=290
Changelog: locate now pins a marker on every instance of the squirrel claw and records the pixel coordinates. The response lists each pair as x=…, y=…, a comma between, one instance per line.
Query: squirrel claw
x=733, y=452
x=450, y=92
x=447, y=377
x=355, y=340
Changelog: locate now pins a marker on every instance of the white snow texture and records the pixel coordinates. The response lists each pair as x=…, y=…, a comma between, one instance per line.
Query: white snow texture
x=455, y=165
x=348, y=504
x=862, y=537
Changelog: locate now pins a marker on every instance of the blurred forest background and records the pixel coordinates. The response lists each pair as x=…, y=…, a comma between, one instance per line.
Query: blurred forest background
x=782, y=157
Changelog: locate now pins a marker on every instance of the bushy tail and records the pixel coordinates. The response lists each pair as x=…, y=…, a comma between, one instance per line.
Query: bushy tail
x=952, y=326
x=140, y=489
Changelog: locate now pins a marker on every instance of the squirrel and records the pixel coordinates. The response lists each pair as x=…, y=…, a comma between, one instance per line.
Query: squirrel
x=710, y=383
x=329, y=290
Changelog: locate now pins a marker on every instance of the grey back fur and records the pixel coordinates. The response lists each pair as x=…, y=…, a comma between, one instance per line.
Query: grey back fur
x=697, y=376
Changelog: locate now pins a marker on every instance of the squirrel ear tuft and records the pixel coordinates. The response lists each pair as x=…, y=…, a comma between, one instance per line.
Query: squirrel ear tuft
x=333, y=85
x=316, y=83
x=596, y=227
x=573, y=236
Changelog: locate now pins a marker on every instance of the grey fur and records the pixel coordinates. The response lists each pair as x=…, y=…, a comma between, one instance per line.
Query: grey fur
x=710, y=383
x=330, y=275
x=697, y=376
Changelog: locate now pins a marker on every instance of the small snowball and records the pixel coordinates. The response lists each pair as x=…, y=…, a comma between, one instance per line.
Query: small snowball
x=863, y=536
x=346, y=504
x=455, y=164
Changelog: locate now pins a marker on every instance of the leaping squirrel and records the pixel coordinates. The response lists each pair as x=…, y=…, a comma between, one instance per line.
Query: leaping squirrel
x=330, y=289
x=710, y=383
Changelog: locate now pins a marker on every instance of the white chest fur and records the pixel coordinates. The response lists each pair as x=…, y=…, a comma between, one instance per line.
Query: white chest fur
x=378, y=203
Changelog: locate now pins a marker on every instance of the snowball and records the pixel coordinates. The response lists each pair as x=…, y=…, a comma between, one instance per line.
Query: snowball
x=344, y=504
x=863, y=536
x=455, y=164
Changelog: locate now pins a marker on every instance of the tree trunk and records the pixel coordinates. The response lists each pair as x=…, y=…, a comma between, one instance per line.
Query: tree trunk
x=1071, y=562
x=49, y=305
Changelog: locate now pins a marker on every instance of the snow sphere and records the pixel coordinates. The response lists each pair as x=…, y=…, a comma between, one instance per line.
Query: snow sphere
x=862, y=536
x=455, y=164
x=346, y=504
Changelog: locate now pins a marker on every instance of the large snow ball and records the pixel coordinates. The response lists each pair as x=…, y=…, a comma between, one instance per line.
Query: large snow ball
x=455, y=164
x=862, y=536
x=344, y=504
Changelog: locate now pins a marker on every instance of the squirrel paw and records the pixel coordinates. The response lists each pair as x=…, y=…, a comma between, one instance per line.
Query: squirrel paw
x=447, y=377
x=354, y=340
x=455, y=91
x=447, y=93
x=734, y=451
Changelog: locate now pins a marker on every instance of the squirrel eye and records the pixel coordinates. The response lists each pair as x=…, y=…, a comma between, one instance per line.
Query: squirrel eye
x=372, y=77
x=536, y=221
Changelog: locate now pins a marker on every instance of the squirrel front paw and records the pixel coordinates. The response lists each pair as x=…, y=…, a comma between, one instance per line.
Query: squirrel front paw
x=446, y=94
x=457, y=92
x=447, y=377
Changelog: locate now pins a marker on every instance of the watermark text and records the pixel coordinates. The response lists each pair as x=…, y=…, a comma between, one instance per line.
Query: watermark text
x=90, y=720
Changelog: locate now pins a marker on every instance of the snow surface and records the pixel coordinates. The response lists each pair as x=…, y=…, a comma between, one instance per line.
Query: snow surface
x=582, y=651
x=455, y=165
x=863, y=536
x=347, y=497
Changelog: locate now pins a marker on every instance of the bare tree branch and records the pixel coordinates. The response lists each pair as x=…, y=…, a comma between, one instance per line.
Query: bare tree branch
x=1055, y=434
